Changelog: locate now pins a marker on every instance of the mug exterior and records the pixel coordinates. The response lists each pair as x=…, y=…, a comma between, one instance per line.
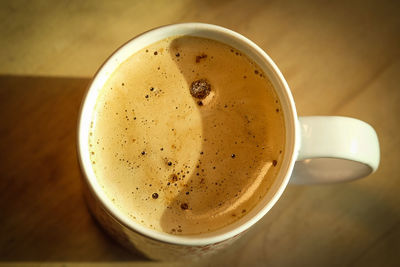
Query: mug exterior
x=163, y=246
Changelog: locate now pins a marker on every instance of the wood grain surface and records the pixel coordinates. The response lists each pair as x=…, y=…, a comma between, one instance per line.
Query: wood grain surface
x=339, y=58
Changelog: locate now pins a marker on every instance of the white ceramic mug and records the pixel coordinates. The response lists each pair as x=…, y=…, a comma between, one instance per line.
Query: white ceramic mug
x=318, y=150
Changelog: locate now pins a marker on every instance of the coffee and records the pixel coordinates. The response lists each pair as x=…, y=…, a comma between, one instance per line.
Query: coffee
x=187, y=135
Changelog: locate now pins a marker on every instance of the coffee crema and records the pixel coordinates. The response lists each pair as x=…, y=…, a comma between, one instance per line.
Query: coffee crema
x=183, y=164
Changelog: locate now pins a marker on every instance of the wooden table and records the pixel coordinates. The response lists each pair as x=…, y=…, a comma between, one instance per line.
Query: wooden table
x=340, y=58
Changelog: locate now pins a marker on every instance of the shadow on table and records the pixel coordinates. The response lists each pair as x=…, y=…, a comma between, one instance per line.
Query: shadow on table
x=43, y=213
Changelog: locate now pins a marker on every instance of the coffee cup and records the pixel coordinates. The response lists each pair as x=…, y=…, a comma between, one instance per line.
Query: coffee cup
x=317, y=149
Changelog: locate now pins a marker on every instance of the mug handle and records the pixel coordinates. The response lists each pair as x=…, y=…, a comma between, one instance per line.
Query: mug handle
x=335, y=149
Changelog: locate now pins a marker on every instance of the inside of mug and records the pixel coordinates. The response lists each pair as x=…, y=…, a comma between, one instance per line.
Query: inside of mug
x=253, y=52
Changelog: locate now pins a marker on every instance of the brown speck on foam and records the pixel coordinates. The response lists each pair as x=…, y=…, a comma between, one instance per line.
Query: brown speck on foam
x=200, y=57
x=200, y=88
x=174, y=177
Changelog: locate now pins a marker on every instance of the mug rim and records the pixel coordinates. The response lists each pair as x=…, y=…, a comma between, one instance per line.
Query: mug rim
x=189, y=240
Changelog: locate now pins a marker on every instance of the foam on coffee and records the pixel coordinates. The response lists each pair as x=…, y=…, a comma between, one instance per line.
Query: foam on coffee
x=183, y=164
